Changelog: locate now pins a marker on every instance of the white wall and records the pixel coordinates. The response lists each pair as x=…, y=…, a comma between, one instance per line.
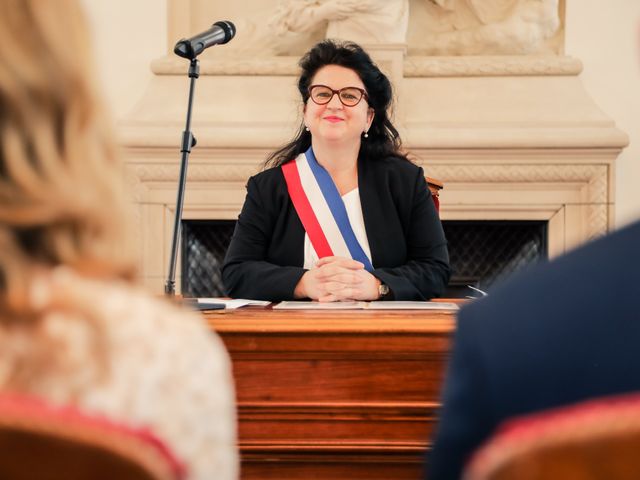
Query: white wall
x=127, y=35
x=604, y=35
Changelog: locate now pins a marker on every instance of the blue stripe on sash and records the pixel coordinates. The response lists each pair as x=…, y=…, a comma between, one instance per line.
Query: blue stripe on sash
x=338, y=210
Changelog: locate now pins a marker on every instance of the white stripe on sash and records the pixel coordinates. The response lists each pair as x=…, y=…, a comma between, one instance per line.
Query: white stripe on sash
x=321, y=208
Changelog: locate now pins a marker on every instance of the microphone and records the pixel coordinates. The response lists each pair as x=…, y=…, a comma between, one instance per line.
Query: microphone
x=219, y=33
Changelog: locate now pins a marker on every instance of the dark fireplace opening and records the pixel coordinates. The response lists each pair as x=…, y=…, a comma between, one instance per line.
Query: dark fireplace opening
x=204, y=244
x=482, y=253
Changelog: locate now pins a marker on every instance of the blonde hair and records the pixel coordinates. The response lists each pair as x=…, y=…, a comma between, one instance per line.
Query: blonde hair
x=61, y=191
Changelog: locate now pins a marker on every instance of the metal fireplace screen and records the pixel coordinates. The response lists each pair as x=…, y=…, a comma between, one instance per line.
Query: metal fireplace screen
x=482, y=253
x=485, y=252
x=204, y=244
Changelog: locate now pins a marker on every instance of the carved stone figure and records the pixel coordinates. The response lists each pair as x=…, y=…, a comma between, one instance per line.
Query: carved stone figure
x=473, y=13
x=438, y=27
x=362, y=21
x=486, y=27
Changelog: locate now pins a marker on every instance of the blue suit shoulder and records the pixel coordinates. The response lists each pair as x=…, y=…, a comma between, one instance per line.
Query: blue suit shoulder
x=594, y=277
x=557, y=334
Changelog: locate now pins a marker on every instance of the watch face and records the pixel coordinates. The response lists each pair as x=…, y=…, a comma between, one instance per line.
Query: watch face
x=383, y=289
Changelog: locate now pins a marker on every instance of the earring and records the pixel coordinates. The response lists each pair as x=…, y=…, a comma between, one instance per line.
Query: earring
x=306, y=128
x=366, y=134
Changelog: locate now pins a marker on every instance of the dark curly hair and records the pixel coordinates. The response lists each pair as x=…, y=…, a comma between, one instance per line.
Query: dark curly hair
x=384, y=140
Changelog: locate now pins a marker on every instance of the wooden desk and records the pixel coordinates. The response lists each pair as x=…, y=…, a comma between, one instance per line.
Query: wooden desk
x=335, y=394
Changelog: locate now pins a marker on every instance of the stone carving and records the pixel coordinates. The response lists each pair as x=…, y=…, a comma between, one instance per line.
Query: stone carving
x=486, y=27
x=598, y=222
x=256, y=41
x=362, y=21
x=593, y=177
x=295, y=25
x=429, y=28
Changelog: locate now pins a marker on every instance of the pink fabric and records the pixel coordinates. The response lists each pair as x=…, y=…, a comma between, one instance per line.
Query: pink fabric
x=562, y=422
x=32, y=408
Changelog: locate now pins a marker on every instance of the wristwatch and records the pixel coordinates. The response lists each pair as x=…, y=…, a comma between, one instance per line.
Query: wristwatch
x=383, y=290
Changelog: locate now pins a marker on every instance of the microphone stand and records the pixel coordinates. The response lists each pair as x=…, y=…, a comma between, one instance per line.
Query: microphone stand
x=188, y=142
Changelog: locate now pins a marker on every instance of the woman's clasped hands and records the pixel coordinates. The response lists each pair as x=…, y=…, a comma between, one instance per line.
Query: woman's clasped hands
x=335, y=279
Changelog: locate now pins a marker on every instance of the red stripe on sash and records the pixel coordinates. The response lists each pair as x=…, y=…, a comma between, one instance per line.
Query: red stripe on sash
x=305, y=211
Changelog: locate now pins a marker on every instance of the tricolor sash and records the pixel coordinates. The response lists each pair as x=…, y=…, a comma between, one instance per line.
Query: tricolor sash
x=321, y=209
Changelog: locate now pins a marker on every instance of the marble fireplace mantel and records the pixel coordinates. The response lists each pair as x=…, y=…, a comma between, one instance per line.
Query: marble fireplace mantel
x=511, y=137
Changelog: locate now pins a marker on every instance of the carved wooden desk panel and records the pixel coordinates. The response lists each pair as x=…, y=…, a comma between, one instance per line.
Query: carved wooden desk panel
x=335, y=394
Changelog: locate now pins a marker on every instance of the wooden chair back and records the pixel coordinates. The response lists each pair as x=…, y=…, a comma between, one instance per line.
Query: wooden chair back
x=40, y=441
x=595, y=440
x=435, y=186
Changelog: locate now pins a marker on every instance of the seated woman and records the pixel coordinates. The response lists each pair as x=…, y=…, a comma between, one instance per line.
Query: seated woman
x=342, y=214
x=74, y=328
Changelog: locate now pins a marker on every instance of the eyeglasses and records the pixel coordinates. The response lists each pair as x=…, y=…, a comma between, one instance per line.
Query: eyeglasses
x=349, y=96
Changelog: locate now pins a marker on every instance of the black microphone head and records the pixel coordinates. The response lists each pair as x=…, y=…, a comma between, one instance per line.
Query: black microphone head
x=183, y=49
x=229, y=30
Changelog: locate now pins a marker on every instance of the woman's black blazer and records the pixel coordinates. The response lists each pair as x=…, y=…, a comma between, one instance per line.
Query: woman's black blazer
x=409, y=250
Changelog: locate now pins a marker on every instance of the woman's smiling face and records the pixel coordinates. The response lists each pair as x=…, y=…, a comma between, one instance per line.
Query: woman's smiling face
x=334, y=122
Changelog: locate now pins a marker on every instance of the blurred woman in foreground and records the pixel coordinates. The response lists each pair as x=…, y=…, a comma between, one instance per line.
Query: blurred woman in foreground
x=74, y=329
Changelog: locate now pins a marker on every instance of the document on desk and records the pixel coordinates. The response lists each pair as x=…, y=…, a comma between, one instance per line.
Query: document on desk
x=401, y=305
x=301, y=305
x=392, y=305
x=232, y=304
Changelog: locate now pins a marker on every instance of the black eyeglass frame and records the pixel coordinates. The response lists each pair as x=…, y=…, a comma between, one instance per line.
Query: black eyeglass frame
x=334, y=92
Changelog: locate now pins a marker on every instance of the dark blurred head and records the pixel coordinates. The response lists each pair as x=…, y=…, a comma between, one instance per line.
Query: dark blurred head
x=61, y=189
